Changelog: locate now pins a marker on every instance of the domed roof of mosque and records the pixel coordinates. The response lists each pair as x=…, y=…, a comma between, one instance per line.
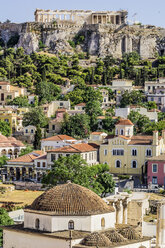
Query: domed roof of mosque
x=70, y=199
x=97, y=240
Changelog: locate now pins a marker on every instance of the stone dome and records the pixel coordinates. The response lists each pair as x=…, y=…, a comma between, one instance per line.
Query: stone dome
x=114, y=236
x=96, y=239
x=129, y=233
x=70, y=199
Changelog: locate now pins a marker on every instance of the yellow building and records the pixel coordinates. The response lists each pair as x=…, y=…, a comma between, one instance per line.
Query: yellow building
x=10, y=118
x=9, y=92
x=128, y=154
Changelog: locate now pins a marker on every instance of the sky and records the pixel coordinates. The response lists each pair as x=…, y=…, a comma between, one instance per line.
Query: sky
x=145, y=11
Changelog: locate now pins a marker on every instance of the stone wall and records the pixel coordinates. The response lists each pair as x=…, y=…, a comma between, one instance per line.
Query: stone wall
x=100, y=39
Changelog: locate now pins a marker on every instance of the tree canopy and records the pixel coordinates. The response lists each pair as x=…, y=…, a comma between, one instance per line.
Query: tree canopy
x=5, y=128
x=35, y=117
x=75, y=169
x=4, y=221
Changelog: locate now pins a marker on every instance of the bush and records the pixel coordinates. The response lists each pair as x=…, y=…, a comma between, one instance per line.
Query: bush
x=72, y=43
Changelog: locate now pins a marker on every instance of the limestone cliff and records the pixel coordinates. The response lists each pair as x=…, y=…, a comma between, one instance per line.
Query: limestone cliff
x=99, y=39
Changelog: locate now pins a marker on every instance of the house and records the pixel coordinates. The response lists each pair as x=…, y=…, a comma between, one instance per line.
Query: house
x=97, y=137
x=155, y=91
x=51, y=108
x=9, y=92
x=55, y=124
x=72, y=216
x=30, y=166
x=124, y=112
x=119, y=86
x=106, y=103
x=9, y=146
x=126, y=153
x=88, y=153
x=56, y=141
x=80, y=106
x=156, y=170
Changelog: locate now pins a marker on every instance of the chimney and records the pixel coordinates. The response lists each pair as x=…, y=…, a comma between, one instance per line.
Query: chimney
x=155, y=138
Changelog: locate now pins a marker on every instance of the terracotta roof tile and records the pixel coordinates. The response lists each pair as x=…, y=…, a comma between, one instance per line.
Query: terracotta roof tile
x=58, y=138
x=125, y=122
x=76, y=148
x=97, y=133
x=83, y=104
x=70, y=200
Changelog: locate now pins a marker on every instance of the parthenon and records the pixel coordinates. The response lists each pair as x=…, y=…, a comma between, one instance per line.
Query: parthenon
x=81, y=16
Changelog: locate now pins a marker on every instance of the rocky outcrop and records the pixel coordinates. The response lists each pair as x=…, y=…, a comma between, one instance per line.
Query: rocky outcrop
x=99, y=39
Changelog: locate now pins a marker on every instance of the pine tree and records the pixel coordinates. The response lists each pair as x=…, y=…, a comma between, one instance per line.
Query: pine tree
x=37, y=138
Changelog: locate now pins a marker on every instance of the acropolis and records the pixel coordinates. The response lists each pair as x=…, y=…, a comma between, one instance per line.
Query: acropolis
x=81, y=16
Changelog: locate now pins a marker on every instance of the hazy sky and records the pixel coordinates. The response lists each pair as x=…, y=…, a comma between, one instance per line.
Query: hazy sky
x=148, y=11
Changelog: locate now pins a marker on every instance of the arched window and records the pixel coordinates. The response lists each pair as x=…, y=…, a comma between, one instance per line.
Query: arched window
x=122, y=132
x=148, y=152
x=71, y=225
x=134, y=152
x=37, y=224
x=118, y=164
x=134, y=164
x=102, y=222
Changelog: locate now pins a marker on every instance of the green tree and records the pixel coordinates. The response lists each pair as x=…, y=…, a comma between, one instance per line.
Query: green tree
x=3, y=160
x=26, y=150
x=5, y=128
x=37, y=138
x=4, y=221
x=35, y=117
x=140, y=122
x=20, y=101
x=133, y=97
x=76, y=126
x=93, y=109
x=75, y=169
x=109, y=123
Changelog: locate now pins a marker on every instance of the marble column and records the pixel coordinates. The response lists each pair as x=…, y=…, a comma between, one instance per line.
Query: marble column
x=160, y=232
x=119, y=215
x=125, y=205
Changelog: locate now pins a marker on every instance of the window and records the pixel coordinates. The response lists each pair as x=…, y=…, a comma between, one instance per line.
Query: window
x=9, y=97
x=37, y=223
x=38, y=164
x=154, y=168
x=67, y=155
x=116, y=131
x=134, y=152
x=102, y=222
x=122, y=132
x=105, y=152
x=26, y=131
x=134, y=164
x=154, y=180
x=148, y=152
x=152, y=99
x=118, y=152
x=7, y=120
x=61, y=104
x=53, y=127
x=118, y=164
x=32, y=131
x=148, y=88
x=53, y=157
x=86, y=157
x=71, y=225
x=159, y=99
x=43, y=164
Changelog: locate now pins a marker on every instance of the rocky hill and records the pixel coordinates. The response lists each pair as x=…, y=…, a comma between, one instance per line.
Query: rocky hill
x=98, y=39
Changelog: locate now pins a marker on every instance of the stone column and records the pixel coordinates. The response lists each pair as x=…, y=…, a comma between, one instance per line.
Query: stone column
x=119, y=215
x=102, y=19
x=125, y=204
x=160, y=235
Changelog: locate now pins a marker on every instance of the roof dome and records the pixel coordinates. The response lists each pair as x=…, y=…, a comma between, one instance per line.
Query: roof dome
x=96, y=239
x=70, y=199
x=114, y=236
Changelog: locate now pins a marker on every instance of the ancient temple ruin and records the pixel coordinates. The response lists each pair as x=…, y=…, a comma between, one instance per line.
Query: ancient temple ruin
x=81, y=16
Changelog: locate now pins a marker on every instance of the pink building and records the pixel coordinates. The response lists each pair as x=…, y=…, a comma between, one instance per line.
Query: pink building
x=156, y=170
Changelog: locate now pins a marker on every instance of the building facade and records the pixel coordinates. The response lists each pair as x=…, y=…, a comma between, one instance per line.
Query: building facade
x=126, y=153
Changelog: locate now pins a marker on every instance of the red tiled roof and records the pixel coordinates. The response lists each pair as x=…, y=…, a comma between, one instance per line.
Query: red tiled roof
x=125, y=122
x=4, y=83
x=81, y=104
x=97, y=133
x=76, y=148
x=10, y=142
x=28, y=158
x=59, y=138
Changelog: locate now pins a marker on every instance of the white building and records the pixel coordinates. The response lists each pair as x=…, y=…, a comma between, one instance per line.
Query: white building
x=70, y=216
x=124, y=112
x=56, y=141
x=87, y=152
